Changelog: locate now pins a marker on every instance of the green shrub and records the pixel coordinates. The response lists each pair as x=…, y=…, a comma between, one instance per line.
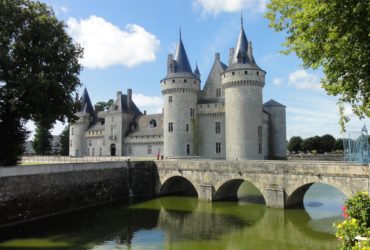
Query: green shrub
x=356, y=212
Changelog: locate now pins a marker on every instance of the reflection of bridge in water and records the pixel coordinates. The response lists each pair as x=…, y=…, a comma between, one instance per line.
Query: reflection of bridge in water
x=231, y=226
x=282, y=183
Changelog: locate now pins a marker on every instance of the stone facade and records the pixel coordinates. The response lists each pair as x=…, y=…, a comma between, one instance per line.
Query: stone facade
x=225, y=120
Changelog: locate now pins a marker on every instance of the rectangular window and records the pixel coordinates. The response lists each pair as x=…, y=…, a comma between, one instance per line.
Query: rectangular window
x=218, y=147
x=187, y=127
x=70, y=143
x=260, y=140
x=100, y=151
x=218, y=92
x=187, y=149
x=72, y=131
x=88, y=151
x=218, y=127
x=170, y=99
x=93, y=152
x=149, y=149
x=129, y=150
x=170, y=127
x=191, y=112
x=89, y=142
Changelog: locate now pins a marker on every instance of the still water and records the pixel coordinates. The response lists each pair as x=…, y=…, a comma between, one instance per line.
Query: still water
x=186, y=223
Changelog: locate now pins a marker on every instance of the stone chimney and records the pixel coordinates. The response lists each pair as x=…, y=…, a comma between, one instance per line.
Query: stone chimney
x=144, y=112
x=129, y=98
x=231, y=55
x=217, y=57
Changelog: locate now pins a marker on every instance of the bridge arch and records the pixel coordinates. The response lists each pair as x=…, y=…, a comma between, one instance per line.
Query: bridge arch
x=295, y=194
x=178, y=185
x=229, y=191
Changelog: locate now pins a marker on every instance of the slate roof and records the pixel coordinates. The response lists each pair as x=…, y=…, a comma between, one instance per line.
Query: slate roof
x=181, y=58
x=272, y=103
x=86, y=106
x=122, y=105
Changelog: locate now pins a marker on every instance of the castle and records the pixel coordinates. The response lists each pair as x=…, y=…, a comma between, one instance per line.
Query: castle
x=225, y=120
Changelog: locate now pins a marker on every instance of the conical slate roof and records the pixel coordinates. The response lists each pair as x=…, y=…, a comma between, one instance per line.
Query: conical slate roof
x=214, y=77
x=86, y=106
x=196, y=71
x=241, y=45
x=273, y=103
x=182, y=61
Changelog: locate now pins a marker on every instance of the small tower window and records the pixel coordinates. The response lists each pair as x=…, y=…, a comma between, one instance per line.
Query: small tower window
x=149, y=149
x=170, y=99
x=218, y=92
x=185, y=80
x=191, y=112
x=258, y=72
x=233, y=73
x=246, y=72
x=187, y=149
x=218, y=147
x=218, y=127
x=72, y=131
x=173, y=80
x=187, y=127
x=170, y=127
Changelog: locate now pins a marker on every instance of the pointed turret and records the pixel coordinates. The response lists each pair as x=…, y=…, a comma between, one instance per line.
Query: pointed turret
x=86, y=106
x=181, y=58
x=196, y=71
x=241, y=48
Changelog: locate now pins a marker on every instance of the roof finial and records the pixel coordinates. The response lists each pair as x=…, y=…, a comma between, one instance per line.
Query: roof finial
x=241, y=18
x=180, y=32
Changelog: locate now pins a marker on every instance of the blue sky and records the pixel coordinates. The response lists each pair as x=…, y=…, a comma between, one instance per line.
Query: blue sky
x=126, y=45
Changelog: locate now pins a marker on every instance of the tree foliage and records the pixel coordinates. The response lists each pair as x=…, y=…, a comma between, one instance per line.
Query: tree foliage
x=12, y=134
x=38, y=65
x=295, y=144
x=101, y=106
x=42, y=142
x=333, y=35
x=327, y=143
x=64, y=141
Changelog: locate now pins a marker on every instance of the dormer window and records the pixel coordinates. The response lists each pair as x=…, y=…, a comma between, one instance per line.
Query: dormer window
x=153, y=123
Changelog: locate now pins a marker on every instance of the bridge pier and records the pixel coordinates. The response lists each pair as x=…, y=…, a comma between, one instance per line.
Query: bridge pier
x=205, y=192
x=275, y=196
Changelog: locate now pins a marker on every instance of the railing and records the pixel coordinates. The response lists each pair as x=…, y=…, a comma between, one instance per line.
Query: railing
x=43, y=159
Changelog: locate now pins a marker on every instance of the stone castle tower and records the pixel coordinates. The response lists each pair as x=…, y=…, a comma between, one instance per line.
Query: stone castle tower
x=242, y=82
x=180, y=89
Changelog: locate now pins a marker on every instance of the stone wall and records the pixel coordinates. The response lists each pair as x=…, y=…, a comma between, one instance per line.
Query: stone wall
x=35, y=191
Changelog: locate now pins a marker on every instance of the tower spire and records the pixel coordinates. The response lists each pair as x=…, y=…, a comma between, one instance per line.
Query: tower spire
x=241, y=18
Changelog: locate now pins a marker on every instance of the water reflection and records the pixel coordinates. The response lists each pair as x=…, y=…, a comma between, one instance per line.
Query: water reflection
x=175, y=223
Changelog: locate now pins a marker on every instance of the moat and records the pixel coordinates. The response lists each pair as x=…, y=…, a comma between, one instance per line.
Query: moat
x=187, y=223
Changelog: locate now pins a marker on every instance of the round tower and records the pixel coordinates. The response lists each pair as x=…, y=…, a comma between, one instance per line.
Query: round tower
x=86, y=114
x=180, y=90
x=277, y=128
x=242, y=82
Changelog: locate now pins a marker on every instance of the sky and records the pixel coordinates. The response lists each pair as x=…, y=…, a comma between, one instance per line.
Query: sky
x=126, y=44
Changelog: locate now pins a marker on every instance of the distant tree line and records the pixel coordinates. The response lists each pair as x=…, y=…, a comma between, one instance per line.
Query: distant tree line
x=320, y=144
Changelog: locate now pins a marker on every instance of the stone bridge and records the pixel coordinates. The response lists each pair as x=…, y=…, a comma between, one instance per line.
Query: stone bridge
x=282, y=183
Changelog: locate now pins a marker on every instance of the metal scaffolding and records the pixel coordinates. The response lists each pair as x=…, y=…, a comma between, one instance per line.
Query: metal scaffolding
x=356, y=147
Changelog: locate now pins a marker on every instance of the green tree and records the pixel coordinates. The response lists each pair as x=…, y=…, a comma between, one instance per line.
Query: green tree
x=64, y=141
x=327, y=143
x=338, y=144
x=12, y=134
x=332, y=35
x=295, y=144
x=312, y=143
x=100, y=106
x=38, y=68
x=42, y=142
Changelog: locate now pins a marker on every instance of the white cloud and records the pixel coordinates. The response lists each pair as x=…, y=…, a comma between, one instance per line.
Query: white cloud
x=301, y=79
x=217, y=6
x=277, y=81
x=106, y=44
x=64, y=9
x=152, y=104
